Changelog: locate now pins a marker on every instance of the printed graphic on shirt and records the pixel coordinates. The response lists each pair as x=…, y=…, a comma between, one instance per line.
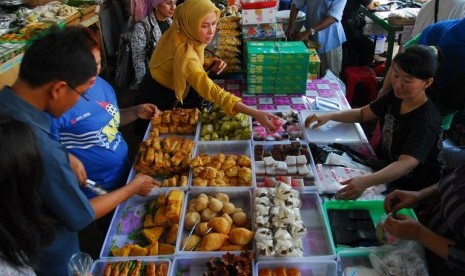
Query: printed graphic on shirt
x=388, y=132
x=106, y=137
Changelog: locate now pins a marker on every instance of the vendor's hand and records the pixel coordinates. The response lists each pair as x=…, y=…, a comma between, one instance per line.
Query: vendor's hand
x=290, y=34
x=303, y=35
x=218, y=66
x=266, y=119
x=321, y=120
x=353, y=189
x=143, y=184
x=403, y=227
x=78, y=168
x=400, y=199
x=147, y=111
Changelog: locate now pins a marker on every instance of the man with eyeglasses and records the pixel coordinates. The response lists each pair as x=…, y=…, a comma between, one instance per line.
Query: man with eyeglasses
x=54, y=70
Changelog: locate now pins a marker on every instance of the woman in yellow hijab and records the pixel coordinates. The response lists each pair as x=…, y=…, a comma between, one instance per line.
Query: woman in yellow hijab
x=177, y=76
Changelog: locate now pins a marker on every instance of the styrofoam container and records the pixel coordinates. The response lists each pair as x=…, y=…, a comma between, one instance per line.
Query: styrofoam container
x=317, y=243
x=127, y=222
x=195, y=266
x=332, y=132
x=309, y=182
x=98, y=266
x=241, y=199
x=233, y=147
x=306, y=266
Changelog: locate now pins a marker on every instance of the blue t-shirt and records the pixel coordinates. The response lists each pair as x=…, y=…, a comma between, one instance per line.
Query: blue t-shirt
x=316, y=10
x=89, y=130
x=59, y=188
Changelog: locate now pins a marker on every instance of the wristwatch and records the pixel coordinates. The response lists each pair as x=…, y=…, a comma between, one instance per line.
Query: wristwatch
x=312, y=31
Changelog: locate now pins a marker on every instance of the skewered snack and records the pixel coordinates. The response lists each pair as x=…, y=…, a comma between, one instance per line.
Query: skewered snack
x=135, y=267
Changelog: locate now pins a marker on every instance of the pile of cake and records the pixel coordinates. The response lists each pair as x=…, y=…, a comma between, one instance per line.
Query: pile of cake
x=288, y=159
x=278, y=223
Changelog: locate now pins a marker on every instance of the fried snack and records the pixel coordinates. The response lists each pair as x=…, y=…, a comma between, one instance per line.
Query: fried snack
x=136, y=270
x=183, y=181
x=197, y=162
x=161, y=200
x=192, y=242
x=222, y=197
x=122, y=251
x=213, y=241
x=199, y=182
x=173, y=234
x=265, y=272
x=179, y=156
x=173, y=209
x=160, y=218
x=202, y=229
x=280, y=271
x=293, y=271
x=232, y=172
x=152, y=249
x=208, y=173
x=229, y=25
x=137, y=250
x=215, y=205
x=148, y=221
x=162, y=269
x=232, y=61
x=241, y=236
x=229, y=48
x=227, y=164
x=152, y=235
x=220, y=225
x=190, y=219
x=228, y=208
x=150, y=269
x=245, y=174
x=207, y=214
x=228, y=218
x=244, y=160
x=229, y=32
x=232, y=68
x=239, y=218
x=166, y=117
x=165, y=249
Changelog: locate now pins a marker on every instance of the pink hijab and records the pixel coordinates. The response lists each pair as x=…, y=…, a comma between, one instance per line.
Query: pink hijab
x=142, y=8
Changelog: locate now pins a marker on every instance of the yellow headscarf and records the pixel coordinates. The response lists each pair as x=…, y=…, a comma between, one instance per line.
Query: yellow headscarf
x=180, y=44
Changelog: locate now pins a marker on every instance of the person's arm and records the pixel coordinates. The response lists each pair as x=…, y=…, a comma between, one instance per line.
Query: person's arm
x=355, y=115
x=400, y=199
x=354, y=187
x=140, y=185
x=290, y=32
x=264, y=118
x=142, y=111
x=78, y=168
x=323, y=24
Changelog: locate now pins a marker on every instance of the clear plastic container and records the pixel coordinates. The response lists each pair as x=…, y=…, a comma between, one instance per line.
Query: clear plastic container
x=355, y=258
x=295, y=133
x=240, y=199
x=232, y=147
x=98, y=266
x=317, y=243
x=127, y=223
x=305, y=266
x=198, y=134
x=195, y=266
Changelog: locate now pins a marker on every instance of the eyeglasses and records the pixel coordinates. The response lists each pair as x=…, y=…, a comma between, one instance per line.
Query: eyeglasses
x=83, y=95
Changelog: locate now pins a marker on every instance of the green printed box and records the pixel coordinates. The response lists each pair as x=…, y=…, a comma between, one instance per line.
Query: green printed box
x=313, y=65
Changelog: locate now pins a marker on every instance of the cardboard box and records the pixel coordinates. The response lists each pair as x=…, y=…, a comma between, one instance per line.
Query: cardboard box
x=259, y=16
x=313, y=65
x=275, y=67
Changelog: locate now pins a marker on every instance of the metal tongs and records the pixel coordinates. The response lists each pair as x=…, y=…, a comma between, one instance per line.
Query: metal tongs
x=190, y=234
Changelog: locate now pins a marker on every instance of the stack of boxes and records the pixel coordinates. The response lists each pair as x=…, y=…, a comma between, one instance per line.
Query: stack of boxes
x=259, y=20
x=277, y=67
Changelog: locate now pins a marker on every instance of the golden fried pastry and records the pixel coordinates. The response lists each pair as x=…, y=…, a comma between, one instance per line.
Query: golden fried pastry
x=213, y=241
x=240, y=218
x=160, y=218
x=165, y=249
x=137, y=250
x=244, y=160
x=280, y=271
x=194, y=116
x=161, y=200
x=228, y=218
x=199, y=182
x=202, y=229
x=173, y=234
x=228, y=208
x=122, y=251
x=265, y=272
x=216, y=183
x=245, y=174
x=222, y=197
x=148, y=221
x=208, y=173
x=183, y=181
x=178, y=157
x=149, y=156
x=206, y=159
x=192, y=242
x=207, y=214
x=197, y=171
x=240, y=236
x=220, y=225
x=227, y=164
x=152, y=235
x=220, y=174
x=215, y=205
x=162, y=269
x=166, y=117
x=200, y=203
x=190, y=219
x=152, y=249
x=156, y=120
x=173, y=210
x=232, y=172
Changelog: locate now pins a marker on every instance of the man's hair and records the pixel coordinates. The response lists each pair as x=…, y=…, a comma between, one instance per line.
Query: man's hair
x=63, y=55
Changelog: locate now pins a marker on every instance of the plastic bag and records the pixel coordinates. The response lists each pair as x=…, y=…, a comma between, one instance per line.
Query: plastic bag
x=330, y=76
x=403, y=258
x=79, y=264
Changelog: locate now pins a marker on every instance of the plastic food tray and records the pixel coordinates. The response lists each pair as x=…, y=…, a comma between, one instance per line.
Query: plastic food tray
x=98, y=266
x=306, y=266
x=195, y=266
x=348, y=258
x=199, y=129
x=333, y=132
x=317, y=244
x=233, y=147
x=375, y=207
x=309, y=183
x=298, y=124
x=241, y=199
x=128, y=220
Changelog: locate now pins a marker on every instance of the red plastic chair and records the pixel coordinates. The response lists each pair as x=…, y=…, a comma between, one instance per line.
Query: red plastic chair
x=361, y=74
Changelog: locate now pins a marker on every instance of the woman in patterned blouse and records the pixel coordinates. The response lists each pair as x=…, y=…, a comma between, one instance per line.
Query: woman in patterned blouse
x=157, y=21
x=443, y=230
